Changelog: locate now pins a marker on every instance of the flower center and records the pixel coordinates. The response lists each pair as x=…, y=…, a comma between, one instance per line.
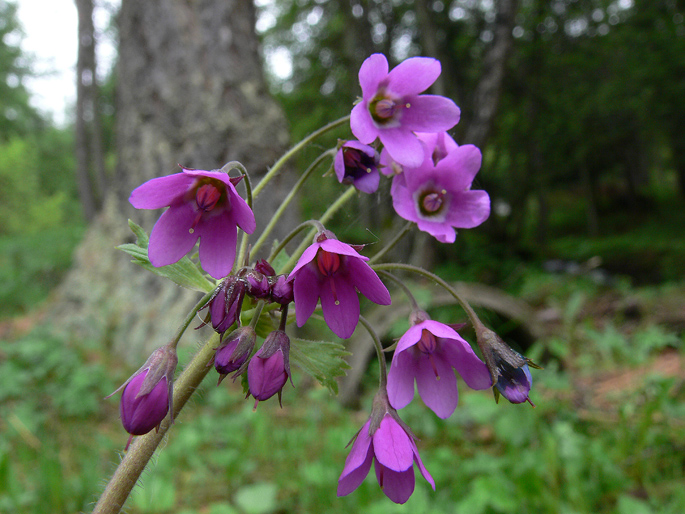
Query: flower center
x=432, y=202
x=427, y=344
x=207, y=197
x=327, y=262
x=384, y=110
x=357, y=165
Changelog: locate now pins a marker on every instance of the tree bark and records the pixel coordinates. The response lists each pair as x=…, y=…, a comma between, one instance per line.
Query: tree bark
x=90, y=162
x=487, y=93
x=190, y=91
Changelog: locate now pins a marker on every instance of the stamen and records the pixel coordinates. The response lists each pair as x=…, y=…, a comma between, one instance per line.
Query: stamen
x=432, y=202
x=327, y=262
x=385, y=109
x=427, y=344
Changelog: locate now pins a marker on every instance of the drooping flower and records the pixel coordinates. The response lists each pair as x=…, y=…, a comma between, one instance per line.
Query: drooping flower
x=357, y=164
x=269, y=368
x=148, y=393
x=429, y=352
x=334, y=271
x=509, y=370
x=234, y=350
x=438, y=198
x=438, y=145
x=202, y=204
x=392, y=108
x=387, y=442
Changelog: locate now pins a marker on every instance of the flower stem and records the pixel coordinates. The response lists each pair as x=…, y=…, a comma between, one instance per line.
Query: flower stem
x=407, y=292
x=475, y=321
x=132, y=465
x=189, y=318
x=342, y=200
x=381, y=253
x=383, y=375
x=280, y=162
x=286, y=201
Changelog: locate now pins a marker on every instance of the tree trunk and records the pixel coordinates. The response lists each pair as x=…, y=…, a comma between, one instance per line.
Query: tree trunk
x=190, y=91
x=90, y=162
x=488, y=89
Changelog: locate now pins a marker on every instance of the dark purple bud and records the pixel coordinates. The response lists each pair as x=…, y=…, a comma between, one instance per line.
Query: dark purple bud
x=281, y=290
x=148, y=394
x=515, y=383
x=140, y=413
x=263, y=267
x=225, y=305
x=257, y=284
x=269, y=369
x=234, y=351
x=509, y=369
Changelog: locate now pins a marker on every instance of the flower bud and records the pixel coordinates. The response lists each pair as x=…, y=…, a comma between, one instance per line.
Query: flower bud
x=234, y=351
x=225, y=305
x=263, y=267
x=269, y=369
x=148, y=393
x=281, y=290
x=257, y=284
x=509, y=369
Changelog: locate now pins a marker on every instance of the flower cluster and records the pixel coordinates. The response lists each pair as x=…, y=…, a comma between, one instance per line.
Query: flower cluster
x=401, y=134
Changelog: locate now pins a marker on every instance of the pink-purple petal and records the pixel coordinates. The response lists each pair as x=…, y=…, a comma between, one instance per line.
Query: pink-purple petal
x=461, y=357
x=392, y=445
x=171, y=238
x=372, y=72
x=430, y=113
x=359, y=451
x=362, y=125
x=340, y=310
x=306, y=290
x=413, y=76
x=241, y=212
x=367, y=282
x=439, y=394
x=422, y=468
x=468, y=209
x=218, y=239
x=462, y=165
x=349, y=481
x=335, y=246
x=403, y=146
x=438, y=229
x=398, y=486
x=401, y=380
x=307, y=256
x=160, y=192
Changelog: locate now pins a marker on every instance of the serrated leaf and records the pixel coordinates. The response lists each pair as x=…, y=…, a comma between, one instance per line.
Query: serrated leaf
x=184, y=272
x=323, y=360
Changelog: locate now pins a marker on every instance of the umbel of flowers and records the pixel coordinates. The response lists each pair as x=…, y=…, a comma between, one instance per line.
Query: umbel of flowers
x=400, y=136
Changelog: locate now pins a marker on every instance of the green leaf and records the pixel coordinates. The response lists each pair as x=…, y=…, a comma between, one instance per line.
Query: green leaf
x=323, y=360
x=184, y=272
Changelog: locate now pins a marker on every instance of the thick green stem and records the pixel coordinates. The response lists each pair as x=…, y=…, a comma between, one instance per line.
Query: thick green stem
x=475, y=321
x=286, y=201
x=383, y=375
x=143, y=447
x=342, y=200
x=299, y=146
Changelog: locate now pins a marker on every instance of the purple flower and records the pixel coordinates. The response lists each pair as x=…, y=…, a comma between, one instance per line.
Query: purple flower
x=269, y=369
x=148, y=393
x=202, y=204
x=224, y=306
x=387, y=442
x=392, y=109
x=357, y=164
x=334, y=271
x=234, y=350
x=438, y=198
x=427, y=353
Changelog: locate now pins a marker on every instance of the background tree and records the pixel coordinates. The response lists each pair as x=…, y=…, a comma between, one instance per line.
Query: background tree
x=191, y=92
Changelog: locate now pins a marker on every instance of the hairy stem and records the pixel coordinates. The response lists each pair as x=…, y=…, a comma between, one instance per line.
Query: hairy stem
x=129, y=470
x=299, y=146
x=475, y=321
